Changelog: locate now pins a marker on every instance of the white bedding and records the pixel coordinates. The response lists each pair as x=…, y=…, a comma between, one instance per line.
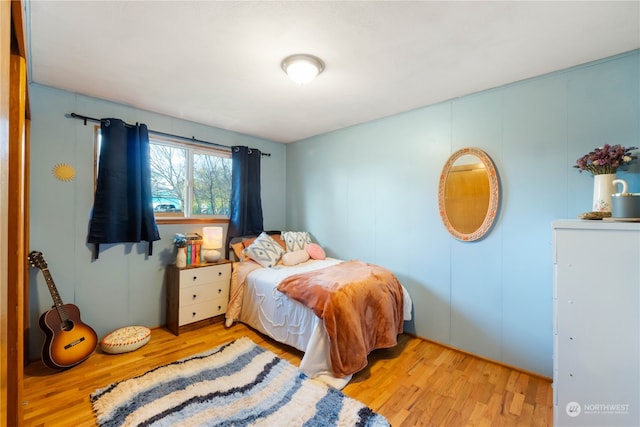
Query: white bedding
x=288, y=321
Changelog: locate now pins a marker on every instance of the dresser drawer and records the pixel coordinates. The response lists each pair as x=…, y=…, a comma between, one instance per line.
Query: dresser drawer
x=202, y=275
x=203, y=310
x=207, y=292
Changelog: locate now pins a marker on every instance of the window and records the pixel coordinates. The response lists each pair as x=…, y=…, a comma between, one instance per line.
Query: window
x=187, y=180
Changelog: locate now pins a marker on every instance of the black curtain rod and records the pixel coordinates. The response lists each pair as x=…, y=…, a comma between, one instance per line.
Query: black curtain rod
x=192, y=139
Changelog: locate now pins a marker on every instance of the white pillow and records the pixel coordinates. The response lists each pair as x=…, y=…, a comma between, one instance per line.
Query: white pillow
x=296, y=240
x=295, y=257
x=264, y=250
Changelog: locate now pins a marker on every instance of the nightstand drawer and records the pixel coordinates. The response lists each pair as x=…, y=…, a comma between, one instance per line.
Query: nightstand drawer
x=202, y=275
x=201, y=311
x=207, y=292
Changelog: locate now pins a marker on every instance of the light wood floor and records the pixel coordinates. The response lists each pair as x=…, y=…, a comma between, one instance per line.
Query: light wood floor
x=417, y=383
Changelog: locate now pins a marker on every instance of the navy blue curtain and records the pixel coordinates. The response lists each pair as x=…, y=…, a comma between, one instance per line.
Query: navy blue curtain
x=122, y=208
x=245, y=215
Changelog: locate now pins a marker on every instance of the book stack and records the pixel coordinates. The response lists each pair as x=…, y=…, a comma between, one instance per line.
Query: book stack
x=194, y=244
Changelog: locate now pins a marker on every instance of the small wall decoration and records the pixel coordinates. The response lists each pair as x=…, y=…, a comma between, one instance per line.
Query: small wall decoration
x=64, y=172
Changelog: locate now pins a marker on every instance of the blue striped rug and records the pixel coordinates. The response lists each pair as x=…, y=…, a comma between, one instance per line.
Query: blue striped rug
x=236, y=384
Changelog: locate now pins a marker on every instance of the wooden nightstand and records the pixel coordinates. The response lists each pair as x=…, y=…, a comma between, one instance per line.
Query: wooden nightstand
x=196, y=292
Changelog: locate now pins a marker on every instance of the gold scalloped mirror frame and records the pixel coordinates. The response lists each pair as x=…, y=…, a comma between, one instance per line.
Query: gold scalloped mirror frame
x=493, y=194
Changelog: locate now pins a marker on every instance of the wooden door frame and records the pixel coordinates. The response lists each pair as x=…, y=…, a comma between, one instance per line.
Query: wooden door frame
x=5, y=53
x=14, y=193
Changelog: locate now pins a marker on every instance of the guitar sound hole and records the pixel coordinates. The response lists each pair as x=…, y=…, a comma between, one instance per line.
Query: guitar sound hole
x=67, y=325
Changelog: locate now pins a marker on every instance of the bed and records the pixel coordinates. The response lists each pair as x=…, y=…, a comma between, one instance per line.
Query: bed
x=274, y=290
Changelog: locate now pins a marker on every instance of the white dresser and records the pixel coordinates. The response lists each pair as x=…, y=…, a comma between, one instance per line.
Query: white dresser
x=596, y=360
x=197, y=292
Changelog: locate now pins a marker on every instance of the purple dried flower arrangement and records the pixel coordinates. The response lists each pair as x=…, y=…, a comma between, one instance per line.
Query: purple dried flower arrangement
x=606, y=159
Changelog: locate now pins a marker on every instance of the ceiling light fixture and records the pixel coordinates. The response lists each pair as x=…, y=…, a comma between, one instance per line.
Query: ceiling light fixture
x=302, y=68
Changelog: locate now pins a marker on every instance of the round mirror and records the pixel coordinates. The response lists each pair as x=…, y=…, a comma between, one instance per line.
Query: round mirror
x=468, y=194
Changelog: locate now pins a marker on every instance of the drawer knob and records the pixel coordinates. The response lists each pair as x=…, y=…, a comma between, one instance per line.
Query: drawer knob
x=219, y=307
x=219, y=273
x=194, y=278
x=219, y=291
x=193, y=314
x=194, y=296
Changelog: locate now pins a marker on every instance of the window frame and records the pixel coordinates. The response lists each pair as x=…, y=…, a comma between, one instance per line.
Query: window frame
x=192, y=148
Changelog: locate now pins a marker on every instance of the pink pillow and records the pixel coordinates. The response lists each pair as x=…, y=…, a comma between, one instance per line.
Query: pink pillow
x=315, y=251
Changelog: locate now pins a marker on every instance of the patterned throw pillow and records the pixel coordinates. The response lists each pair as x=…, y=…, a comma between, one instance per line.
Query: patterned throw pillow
x=296, y=240
x=264, y=250
x=277, y=237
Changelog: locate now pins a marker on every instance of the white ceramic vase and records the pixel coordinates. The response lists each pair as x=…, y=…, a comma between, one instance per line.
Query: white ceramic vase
x=603, y=188
x=181, y=258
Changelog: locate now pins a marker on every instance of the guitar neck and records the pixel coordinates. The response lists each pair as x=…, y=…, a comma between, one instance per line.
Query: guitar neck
x=57, y=301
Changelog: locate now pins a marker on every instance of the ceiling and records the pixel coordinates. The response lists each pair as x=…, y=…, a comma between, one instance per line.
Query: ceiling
x=218, y=62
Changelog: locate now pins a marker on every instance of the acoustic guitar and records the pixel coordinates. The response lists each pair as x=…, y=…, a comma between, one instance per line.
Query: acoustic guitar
x=68, y=341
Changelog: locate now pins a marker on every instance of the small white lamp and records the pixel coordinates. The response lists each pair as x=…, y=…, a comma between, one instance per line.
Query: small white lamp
x=212, y=240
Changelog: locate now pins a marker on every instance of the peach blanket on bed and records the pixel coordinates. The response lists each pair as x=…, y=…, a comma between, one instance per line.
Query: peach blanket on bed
x=361, y=305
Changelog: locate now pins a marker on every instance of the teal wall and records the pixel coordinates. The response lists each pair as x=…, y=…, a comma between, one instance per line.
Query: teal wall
x=370, y=192
x=124, y=286
x=367, y=192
